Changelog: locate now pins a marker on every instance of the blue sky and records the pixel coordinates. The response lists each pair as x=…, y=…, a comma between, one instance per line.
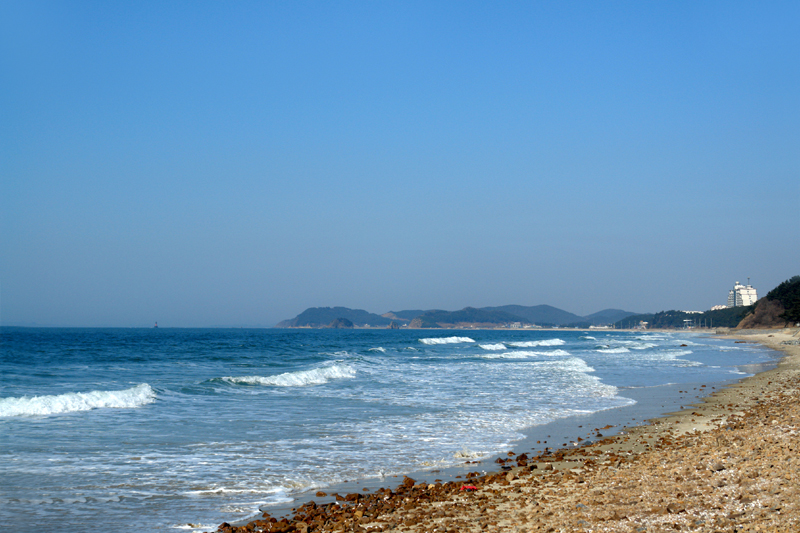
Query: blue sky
x=227, y=164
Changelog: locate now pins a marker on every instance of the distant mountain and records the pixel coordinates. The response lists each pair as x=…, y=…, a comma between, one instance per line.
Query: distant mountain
x=468, y=315
x=317, y=317
x=607, y=316
x=340, y=323
x=403, y=315
x=539, y=314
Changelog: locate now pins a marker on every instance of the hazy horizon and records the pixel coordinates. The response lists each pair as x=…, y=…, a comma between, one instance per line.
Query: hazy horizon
x=206, y=164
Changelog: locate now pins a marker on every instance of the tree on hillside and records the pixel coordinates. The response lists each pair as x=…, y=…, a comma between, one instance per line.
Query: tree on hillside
x=788, y=294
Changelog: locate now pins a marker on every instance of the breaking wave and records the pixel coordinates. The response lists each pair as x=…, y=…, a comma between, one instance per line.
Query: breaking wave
x=78, y=401
x=446, y=340
x=493, y=346
x=620, y=349
x=531, y=344
x=301, y=378
x=571, y=365
x=524, y=354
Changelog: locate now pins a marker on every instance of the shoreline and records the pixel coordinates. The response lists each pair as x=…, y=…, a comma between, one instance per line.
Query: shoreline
x=709, y=467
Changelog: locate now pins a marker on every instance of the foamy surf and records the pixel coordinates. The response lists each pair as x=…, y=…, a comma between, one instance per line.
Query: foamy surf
x=525, y=354
x=464, y=453
x=532, y=344
x=301, y=378
x=493, y=346
x=571, y=365
x=621, y=349
x=77, y=401
x=446, y=340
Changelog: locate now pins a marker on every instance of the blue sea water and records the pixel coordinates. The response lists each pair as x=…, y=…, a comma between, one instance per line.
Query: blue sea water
x=156, y=429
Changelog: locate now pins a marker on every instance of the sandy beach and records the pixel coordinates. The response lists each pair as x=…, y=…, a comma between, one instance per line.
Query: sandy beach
x=728, y=463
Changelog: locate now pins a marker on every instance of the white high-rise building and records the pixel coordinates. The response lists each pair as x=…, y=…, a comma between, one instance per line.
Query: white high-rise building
x=742, y=295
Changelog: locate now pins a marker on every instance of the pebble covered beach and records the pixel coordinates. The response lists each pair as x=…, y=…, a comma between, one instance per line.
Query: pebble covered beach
x=727, y=463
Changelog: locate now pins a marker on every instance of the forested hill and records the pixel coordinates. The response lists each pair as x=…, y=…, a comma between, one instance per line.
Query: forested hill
x=779, y=308
x=722, y=318
x=317, y=317
x=541, y=315
x=468, y=315
x=538, y=314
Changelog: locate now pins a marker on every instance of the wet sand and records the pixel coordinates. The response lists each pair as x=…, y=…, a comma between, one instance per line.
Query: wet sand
x=730, y=462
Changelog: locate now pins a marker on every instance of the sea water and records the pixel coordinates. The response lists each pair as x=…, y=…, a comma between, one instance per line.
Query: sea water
x=165, y=429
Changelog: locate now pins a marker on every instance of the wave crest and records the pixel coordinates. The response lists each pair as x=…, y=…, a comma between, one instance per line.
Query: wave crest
x=301, y=378
x=620, y=349
x=524, y=354
x=571, y=365
x=531, y=344
x=493, y=346
x=78, y=401
x=445, y=340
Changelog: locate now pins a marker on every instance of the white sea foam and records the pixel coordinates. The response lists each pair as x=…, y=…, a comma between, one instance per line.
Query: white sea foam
x=531, y=344
x=573, y=364
x=301, y=378
x=378, y=349
x=642, y=346
x=509, y=355
x=445, y=340
x=620, y=349
x=635, y=345
x=467, y=454
x=493, y=346
x=524, y=354
x=77, y=401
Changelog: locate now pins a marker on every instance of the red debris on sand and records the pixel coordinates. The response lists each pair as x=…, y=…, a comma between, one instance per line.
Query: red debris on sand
x=469, y=487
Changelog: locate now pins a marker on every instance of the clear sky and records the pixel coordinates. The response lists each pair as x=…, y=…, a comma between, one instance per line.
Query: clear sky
x=233, y=163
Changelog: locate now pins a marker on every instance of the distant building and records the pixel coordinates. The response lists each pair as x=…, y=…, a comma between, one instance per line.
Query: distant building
x=718, y=307
x=742, y=295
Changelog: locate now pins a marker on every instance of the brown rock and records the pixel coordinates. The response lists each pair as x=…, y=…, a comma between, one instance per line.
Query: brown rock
x=675, y=508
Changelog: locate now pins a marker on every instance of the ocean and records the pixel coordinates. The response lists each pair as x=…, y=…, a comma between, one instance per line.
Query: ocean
x=158, y=430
